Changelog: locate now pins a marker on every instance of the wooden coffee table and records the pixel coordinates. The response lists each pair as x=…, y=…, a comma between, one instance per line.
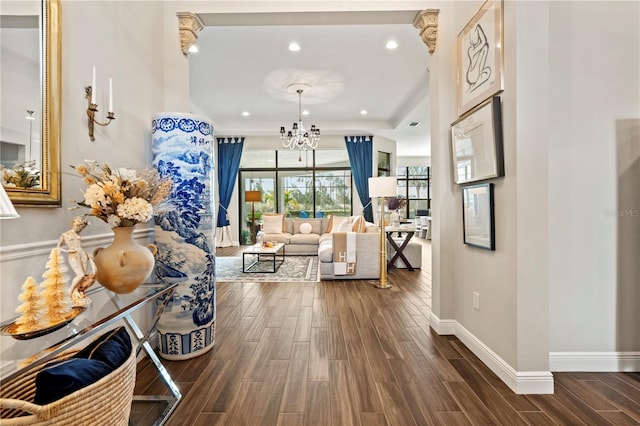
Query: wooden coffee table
x=259, y=254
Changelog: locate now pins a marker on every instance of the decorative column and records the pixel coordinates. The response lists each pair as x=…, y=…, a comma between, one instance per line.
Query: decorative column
x=427, y=22
x=182, y=146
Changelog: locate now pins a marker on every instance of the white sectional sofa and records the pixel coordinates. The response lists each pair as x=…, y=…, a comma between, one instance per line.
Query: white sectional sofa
x=319, y=241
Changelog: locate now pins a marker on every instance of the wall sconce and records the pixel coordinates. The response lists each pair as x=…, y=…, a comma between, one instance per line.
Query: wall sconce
x=93, y=106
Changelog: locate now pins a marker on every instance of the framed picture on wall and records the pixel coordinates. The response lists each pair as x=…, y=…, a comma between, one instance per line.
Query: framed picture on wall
x=477, y=216
x=480, y=56
x=476, y=143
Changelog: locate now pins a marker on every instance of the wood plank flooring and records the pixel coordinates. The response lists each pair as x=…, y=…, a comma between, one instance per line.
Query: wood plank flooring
x=346, y=353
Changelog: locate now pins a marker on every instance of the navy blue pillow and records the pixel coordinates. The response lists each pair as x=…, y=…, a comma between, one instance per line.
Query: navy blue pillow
x=65, y=377
x=99, y=358
x=113, y=348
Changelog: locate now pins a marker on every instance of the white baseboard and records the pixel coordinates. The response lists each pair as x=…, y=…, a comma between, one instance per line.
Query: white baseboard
x=443, y=327
x=594, y=361
x=521, y=382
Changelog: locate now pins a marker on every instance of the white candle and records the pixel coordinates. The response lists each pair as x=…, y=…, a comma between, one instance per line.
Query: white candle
x=93, y=86
x=110, y=95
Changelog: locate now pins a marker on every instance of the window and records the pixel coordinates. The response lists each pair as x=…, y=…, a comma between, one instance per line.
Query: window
x=333, y=192
x=318, y=185
x=263, y=181
x=414, y=184
x=297, y=193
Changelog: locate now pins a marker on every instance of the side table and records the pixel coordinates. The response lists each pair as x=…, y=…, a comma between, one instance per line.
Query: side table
x=19, y=357
x=408, y=232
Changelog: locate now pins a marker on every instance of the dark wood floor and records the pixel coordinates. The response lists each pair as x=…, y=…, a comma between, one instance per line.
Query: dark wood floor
x=345, y=353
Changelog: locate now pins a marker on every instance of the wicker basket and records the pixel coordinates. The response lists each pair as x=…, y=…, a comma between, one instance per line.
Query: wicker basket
x=105, y=402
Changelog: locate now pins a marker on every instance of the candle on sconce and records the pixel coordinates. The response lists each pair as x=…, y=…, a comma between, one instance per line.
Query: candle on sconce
x=110, y=95
x=93, y=86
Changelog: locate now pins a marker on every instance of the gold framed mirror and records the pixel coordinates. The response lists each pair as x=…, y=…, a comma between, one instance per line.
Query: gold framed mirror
x=31, y=107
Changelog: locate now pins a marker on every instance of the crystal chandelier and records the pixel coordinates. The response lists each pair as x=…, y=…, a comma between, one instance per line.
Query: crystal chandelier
x=298, y=137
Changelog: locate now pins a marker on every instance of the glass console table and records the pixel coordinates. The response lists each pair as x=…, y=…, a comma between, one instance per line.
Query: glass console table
x=20, y=356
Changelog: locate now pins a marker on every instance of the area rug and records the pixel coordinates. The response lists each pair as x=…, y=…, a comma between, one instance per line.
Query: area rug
x=294, y=268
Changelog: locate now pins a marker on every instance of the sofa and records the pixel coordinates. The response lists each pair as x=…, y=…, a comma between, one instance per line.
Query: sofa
x=314, y=236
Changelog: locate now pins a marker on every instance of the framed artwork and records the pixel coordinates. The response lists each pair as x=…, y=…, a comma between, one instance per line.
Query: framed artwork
x=480, y=60
x=477, y=216
x=476, y=143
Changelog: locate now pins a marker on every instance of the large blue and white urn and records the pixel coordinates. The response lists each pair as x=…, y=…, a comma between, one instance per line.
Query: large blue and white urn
x=182, y=147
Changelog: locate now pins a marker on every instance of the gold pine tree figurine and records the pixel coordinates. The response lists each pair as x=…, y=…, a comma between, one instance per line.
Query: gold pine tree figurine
x=54, y=294
x=30, y=309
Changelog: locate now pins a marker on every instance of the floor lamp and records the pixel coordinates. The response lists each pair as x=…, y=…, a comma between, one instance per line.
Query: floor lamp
x=253, y=197
x=383, y=186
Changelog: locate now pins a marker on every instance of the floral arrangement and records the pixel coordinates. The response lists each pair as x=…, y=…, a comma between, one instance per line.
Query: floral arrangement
x=395, y=203
x=122, y=197
x=23, y=175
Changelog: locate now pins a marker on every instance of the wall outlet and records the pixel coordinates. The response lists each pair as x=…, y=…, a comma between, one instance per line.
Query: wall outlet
x=476, y=300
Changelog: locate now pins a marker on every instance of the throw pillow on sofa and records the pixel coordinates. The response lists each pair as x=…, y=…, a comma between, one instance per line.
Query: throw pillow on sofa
x=345, y=226
x=305, y=228
x=358, y=224
x=273, y=224
x=336, y=221
x=316, y=225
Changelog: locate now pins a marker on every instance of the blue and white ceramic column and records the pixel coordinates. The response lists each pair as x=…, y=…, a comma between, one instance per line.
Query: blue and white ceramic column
x=183, y=149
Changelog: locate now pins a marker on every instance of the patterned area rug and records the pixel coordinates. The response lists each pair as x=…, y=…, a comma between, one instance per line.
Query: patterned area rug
x=294, y=268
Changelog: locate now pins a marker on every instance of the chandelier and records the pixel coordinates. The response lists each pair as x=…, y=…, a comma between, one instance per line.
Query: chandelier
x=298, y=137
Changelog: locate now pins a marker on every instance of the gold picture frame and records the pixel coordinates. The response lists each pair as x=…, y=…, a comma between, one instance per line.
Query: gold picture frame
x=480, y=56
x=48, y=191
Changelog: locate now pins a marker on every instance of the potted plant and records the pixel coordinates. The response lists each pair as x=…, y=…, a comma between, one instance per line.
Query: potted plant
x=394, y=204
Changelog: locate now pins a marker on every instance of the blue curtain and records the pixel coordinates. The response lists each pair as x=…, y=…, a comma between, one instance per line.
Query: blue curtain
x=360, y=150
x=229, y=154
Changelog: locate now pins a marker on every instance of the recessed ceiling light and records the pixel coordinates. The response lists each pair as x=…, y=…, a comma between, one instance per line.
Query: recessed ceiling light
x=363, y=112
x=305, y=112
x=294, y=47
x=245, y=113
x=193, y=48
x=391, y=44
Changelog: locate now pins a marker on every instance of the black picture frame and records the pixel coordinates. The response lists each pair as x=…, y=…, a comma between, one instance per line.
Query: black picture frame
x=478, y=221
x=476, y=143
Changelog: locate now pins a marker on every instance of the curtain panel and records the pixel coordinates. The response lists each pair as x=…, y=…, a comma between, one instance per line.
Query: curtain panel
x=360, y=151
x=229, y=155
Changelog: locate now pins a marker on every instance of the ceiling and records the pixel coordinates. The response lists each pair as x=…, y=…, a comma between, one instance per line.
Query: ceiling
x=244, y=64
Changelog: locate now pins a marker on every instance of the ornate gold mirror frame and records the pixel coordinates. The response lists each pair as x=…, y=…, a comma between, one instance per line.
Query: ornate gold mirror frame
x=48, y=193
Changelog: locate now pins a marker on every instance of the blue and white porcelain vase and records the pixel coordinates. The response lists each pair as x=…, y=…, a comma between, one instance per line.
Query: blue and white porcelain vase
x=182, y=147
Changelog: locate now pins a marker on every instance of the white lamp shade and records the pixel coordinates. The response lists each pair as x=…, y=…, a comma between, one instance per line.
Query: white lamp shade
x=7, y=211
x=383, y=186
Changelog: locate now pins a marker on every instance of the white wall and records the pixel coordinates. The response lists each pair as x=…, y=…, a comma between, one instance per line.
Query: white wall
x=460, y=270
x=121, y=39
x=560, y=278
x=595, y=86
x=413, y=161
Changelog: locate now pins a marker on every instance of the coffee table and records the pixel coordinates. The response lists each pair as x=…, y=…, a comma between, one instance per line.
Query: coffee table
x=273, y=254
